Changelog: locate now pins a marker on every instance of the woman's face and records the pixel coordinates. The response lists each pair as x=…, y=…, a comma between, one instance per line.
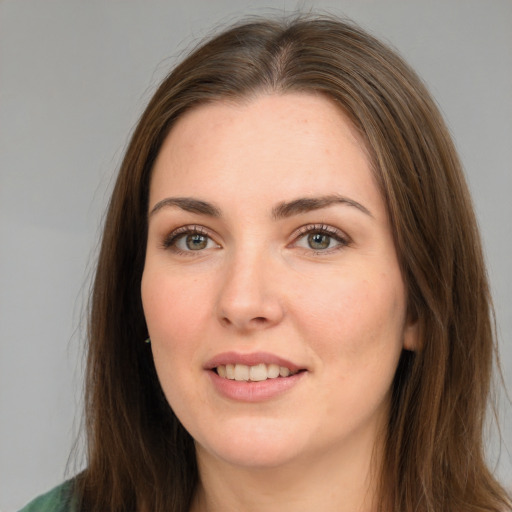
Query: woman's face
x=270, y=252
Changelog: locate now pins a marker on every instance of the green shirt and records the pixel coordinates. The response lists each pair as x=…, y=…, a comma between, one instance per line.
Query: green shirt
x=59, y=499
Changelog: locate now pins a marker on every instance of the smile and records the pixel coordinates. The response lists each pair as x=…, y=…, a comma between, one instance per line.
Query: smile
x=254, y=377
x=256, y=373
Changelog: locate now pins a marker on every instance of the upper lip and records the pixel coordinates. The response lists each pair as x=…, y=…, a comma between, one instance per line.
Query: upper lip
x=251, y=359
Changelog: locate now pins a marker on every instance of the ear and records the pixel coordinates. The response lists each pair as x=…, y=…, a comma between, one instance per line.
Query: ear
x=411, y=335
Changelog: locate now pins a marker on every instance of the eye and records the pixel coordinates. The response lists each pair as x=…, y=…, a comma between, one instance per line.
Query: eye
x=193, y=242
x=189, y=239
x=320, y=238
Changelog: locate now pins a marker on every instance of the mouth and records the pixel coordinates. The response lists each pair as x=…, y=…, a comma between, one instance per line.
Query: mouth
x=256, y=373
x=255, y=367
x=253, y=377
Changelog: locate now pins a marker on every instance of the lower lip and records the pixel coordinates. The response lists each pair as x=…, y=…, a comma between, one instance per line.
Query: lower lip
x=247, y=391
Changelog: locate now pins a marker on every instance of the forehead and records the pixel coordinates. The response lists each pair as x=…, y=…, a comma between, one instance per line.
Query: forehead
x=268, y=146
x=291, y=116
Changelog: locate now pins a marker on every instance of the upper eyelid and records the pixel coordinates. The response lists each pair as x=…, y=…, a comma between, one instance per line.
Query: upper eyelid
x=171, y=237
x=190, y=228
x=295, y=235
x=325, y=228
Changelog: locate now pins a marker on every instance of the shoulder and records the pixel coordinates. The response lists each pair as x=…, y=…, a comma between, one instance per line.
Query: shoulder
x=59, y=499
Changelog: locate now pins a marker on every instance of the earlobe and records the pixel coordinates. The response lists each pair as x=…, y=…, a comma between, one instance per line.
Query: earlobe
x=411, y=335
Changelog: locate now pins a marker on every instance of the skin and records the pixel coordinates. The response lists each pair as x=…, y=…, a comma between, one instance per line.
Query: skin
x=258, y=286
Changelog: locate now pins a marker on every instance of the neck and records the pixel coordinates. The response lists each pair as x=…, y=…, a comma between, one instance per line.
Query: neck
x=327, y=482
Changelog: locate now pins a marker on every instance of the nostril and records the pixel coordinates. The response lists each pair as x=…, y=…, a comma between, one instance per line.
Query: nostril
x=259, y=320
x=225, y=321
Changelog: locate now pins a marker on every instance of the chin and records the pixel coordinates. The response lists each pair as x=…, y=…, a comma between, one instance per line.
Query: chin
x=255, y=458
x=256, y=448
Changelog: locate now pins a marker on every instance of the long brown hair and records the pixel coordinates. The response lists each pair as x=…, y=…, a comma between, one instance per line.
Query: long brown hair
x=139, y=455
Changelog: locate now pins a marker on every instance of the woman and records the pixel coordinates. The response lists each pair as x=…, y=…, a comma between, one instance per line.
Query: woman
x=292, y=235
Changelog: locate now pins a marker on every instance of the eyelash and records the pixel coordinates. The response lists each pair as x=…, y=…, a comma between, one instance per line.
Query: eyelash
x=322, y=229
x=172, y=238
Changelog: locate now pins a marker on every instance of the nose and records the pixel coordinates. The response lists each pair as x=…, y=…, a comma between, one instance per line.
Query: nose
x=249, y=298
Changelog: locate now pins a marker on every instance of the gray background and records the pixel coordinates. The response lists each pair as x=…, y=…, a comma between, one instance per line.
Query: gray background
x=74, y=76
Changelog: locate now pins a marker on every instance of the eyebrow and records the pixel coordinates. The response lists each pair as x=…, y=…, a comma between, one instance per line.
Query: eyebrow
x=307, y=204
x=281, y=211
x=188, y=204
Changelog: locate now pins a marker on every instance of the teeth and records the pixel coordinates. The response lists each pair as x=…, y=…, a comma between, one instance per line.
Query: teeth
x=255, y=373
x=258, y=372
x=284, y=372
x=241, y=372
x=272, y=371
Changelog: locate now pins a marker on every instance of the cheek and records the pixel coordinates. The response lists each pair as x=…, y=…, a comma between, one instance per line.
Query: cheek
x=175, y=311
x=355, y=331
x=174, y=315
x=173, y=306
x=355, y=317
